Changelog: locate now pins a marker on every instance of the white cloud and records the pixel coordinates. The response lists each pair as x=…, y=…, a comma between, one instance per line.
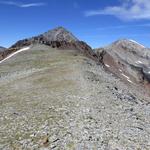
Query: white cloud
x=32, y=5
x=128, y=10
x=21, y=5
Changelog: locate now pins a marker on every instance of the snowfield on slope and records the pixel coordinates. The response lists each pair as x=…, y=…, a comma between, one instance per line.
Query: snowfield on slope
x=13, y=54
x=137, y=43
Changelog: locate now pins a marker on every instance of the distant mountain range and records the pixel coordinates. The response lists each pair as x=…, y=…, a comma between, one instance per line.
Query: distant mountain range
x=125, y=58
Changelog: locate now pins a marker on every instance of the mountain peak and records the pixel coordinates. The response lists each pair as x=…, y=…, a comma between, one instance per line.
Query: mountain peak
x=60, y=28
x=59, y=38
x=129, y=42
x=59, y=34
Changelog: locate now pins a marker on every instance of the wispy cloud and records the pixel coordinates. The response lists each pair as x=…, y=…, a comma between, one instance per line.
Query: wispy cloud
x=128, y=10
x=22, y=5
x=124, y=26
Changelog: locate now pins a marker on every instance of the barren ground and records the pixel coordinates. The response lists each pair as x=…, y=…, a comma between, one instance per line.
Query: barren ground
x=61, y=100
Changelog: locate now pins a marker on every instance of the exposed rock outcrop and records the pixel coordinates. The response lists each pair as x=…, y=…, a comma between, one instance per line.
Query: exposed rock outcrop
x=58, y=38
x=2, y=52
x=128, y=60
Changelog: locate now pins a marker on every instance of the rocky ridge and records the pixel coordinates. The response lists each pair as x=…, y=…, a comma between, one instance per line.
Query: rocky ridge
x=125, y=58
x=2, y=52
x=59, y=38
x=128, y=60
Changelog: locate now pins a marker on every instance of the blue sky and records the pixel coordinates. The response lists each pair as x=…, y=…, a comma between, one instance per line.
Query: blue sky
x=98, y=22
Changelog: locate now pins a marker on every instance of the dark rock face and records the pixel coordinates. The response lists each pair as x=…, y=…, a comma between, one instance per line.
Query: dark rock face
x=58, y=38
x=2, y=52
x=6, y=52
x=128, y=60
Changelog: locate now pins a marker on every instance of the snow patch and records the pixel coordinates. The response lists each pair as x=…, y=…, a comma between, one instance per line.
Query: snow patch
x=137, y=43
x=107, y=65
x=129, y=80
x=139, y=62
x=125, y=76
x=120, y=70
x=11, y=55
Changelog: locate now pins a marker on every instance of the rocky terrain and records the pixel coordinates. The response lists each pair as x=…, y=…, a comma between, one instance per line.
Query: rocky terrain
x=57, y=98
x=2, y=52
x=52, y=99
x=59, y=38
x=128, y=60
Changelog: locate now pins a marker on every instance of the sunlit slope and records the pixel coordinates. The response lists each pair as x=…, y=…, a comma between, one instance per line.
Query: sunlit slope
x=60, y=99
x=32, y=84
